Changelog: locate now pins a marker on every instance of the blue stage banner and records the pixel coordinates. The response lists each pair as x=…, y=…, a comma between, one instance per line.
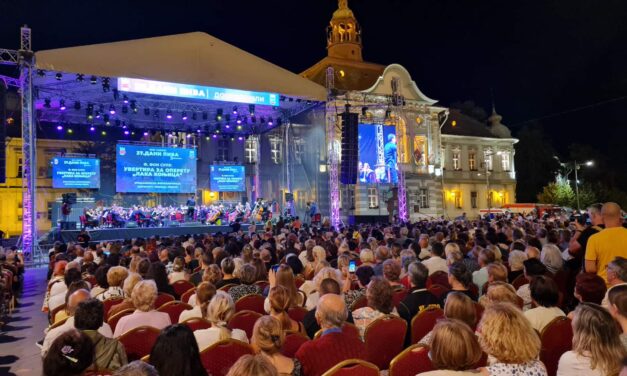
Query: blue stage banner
x=136, y=85
x=227, y=178
x=75, y=173
x=153, y=169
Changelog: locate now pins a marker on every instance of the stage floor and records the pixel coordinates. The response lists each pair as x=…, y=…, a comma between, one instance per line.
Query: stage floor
x=146, y=232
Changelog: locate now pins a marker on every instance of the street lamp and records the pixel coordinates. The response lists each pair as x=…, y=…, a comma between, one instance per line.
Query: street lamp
x=576, y=167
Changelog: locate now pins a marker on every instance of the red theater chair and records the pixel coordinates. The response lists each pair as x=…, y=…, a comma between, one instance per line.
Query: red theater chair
x=293, y=342
x=244, y=320
x=384, y=339
x=424, y=322
x=138, y=342
x=414, y=360
x=557, y=338
x=353, y=367
x=163, y=298
x=197, y=323
x=181, y=287
x=219, y=357
x=252, y=302
x=174, y=309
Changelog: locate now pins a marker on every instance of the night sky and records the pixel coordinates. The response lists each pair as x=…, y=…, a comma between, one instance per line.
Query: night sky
x=541, y=58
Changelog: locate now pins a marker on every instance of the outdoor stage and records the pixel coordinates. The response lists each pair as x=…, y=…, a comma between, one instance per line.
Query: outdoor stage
x=105, y=234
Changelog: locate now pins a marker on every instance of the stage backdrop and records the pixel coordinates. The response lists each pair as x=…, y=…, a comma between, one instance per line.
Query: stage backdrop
x=154, y=169
x=370, y=170
x=227, y=178
x=81, y=173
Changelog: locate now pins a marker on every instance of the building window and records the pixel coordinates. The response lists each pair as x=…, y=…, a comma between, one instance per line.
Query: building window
x=456, y=161
x=472, y=161
x=223, y=150
x=423, y=198
x=250, y=150
x=348, y=195
x=276, y=150
x=505, y=161
x=299, y=150
x=373, y=198
x=473, y=200
x=458, y=200
x=20, y=166
x=488, y=160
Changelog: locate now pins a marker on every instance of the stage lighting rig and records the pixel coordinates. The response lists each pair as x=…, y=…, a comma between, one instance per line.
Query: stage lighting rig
x=219, y=114
x=80, y=77
x=58, y=76
x=93, y=80
x=106, y=87
x=62, y=106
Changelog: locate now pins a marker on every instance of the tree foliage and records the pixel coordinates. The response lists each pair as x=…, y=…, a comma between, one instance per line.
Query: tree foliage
x=557, y=193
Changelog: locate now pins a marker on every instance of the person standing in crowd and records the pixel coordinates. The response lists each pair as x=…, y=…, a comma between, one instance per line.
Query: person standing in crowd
x=579, y=241
x=608, y=244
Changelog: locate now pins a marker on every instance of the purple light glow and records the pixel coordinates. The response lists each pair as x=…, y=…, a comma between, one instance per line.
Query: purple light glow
x=59, y=128
x=145, y=133
x=185, y=117
x=240, y=138
x=198, y=131
x=270, y=123
x=228, y=126
x=92, y=129
x=168, y=116
x=215, y=136
x=189, y=136
x=126, y=133
x=112, y=112
x=62, y=108
x=239, y=121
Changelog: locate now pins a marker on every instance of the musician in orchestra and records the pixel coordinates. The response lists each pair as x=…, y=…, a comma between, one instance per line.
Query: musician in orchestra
x=191, y=207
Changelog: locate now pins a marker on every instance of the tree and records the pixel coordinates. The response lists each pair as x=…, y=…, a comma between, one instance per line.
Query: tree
x=536, y=165
x=557, y=193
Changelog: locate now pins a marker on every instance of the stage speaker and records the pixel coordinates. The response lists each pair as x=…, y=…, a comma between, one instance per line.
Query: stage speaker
x=131, y=224
x=191, y=224
x=350, y=148
x=68, y=225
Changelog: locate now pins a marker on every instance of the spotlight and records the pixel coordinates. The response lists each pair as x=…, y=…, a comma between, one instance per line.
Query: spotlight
x=41, y=72
x=270, y=122
x=251, y=109
x=80, y=77
x=240, y=138
x=228, y=126
x=106, y=119
x=104, y=133
x=93, y=80
x=62, y=106
x=90, y=114
x=184, y=116
x=92, y=128
x=364, y=111
x=189, y=135
x=112, y=110
x=58, y=76
x=98, y=114
x=70, y=131
x=214, y=136
x=47, y=103
x=145, y=134
x=205, y=116
x=168, y=114
x=239, y=121
x=239, y=127
x=232, y=138
x=77, y=105
x=219, y=114
x=124, y=99
x=234, y=110
x=133, y=106
x=198, y=131
x=59, y=127
x=147, y=111
x=126, y=132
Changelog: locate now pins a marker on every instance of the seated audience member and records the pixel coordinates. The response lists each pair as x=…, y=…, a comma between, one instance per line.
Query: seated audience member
x=507, y=336
x=252, y=365
x=73, y=300
x=480, y=277
x=325, y=272
x=419, y=297
x=70, y=355
x=616, y=276
x=551, y=257
x=268, y=338
x=247, y=287
x=179, y=272
x=618, y=309
x=333, y=346
x=328, y=286
x=137, y=368
x=460, y=307
x=101, y=279
x=392, y=274
x=380, y=303
x=127, y=303
x=219, y=311
x=532, y=267
x=597, y=349
x=176, y=353
x=363, y=274
x=532, y=252
x=75, y=286
x=159, y=275
x=71, y=275
x=115, y=278
x=460, y=279
x=496, y=273
x=212, y=275
x=500, y=292
x=545, y=296
x=279, y=305
x=206, y=260
x=109, y=353
x=204, y=293
x=228, y=267
x=437, y=261
x=590, y=288
x=515, y=260
x=454, y=349
x=144, y=296
x=56, y=284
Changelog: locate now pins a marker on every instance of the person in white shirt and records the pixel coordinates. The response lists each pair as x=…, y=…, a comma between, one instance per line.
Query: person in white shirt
x=436, y=262
x=115, y=279
x=219, y=311
x=616, y=276
x=73, y=301
x=425, y=248
x=144, y=296
x=545, y=295
x=480, y=277
x=597, y=349
x=204, y=293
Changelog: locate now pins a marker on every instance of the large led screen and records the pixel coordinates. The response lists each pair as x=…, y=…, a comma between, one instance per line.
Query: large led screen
x=155, y=169
x=75, y=173
x=377, y=166
x=226, y=178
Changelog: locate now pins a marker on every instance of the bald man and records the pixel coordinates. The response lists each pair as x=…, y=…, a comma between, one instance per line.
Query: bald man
x=608, y=244
x=73, y=300
x=334, y=345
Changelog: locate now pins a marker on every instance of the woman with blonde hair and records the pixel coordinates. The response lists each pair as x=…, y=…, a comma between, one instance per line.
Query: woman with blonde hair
x=127, y=303
x=267, y=340
x=178, y=271
x=279, y=305
x=500, y=292
x=219, y=311
x=507, y=336
x=597, y=349
x=454, y=349
x=251, y=365
x=460, y=307
x=284, y=277
x=204, y=293
x=115, y=278
x=143, y=296
x=213, y=275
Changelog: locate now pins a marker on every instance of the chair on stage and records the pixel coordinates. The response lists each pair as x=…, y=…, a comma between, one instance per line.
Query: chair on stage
x=244, y=320
x=174, y=309
x=384, y=339
x=353, y=367
x=424, y=322
x=218, y=358
x=138, y=342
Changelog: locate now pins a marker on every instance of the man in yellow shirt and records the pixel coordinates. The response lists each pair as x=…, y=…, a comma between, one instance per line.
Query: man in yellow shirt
x=606, y=245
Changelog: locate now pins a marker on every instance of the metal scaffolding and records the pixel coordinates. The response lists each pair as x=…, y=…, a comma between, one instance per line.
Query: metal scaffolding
x=331, y=122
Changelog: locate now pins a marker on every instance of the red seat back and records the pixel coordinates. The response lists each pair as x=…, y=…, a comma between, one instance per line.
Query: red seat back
x=359, y=303
x=293, y=342
x=412, y=361
x=252, y=302
x=519, y=281
x=385, y=339
x=478, y=311
x=108, y=303
x=226, y=288
x=353, y=367
x=138, y=342
x=163, y=298
x=181, y=286
x=297, y=313
x=196, y=323
x=438, y=278
x=113, y=320
x=424, y=322
x=299, y=280
x=438, y=290
x=174, y=309
x=557, y=338
x=187, y=294
x=398, y=297
x=219, y=357
x=244, y=320
x=262, y=284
